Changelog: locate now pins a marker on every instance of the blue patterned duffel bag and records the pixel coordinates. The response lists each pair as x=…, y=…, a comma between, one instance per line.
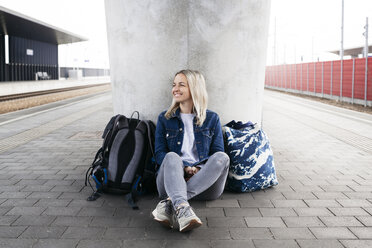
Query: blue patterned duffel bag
x=251, y=158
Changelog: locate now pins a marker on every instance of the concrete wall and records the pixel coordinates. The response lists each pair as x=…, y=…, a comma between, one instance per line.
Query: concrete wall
x=150, y=40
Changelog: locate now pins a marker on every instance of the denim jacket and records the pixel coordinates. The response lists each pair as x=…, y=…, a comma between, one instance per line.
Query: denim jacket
x=169, y=136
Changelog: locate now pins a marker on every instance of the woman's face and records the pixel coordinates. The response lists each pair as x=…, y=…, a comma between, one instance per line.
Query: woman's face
x=181, y=90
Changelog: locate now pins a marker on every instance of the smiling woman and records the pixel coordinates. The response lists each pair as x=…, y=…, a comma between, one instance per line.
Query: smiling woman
x=189, y=148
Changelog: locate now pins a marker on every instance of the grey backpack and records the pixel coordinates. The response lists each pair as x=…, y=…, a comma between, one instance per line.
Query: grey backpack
x=125, y=163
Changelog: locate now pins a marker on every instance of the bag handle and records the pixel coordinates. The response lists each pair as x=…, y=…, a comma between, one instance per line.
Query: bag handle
x=239, y=125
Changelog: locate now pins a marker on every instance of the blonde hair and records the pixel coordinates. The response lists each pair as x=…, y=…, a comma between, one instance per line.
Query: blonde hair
x=199, y=96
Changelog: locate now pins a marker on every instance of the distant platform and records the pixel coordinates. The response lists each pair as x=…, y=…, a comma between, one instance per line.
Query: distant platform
x=9, y=88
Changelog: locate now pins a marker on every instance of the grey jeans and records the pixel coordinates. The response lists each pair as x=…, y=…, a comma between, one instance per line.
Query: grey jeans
x=207, y=184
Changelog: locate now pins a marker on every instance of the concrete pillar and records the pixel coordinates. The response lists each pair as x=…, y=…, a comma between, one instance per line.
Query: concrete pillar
x=151, y=40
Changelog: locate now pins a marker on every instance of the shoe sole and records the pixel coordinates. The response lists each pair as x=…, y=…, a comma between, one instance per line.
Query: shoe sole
x=163, y=222
x=193, y=224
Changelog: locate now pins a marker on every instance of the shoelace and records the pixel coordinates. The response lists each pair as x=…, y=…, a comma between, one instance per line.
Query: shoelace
x=168, y=206
x=184, y=211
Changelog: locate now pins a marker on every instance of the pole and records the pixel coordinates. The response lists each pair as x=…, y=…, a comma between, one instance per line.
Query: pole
x=307, y=79
x=342, y=48
x=314, y=78
x=331, y=93
x=322, y=79
x=352, y=82
x=366, y=69
x=275, y=41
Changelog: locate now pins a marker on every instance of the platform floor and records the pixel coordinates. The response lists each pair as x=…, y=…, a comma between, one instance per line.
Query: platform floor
x=19, y=87
x=323, y=157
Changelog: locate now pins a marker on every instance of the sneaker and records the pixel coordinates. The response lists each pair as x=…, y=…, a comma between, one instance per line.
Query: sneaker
x=187, y=219
x=163, y=213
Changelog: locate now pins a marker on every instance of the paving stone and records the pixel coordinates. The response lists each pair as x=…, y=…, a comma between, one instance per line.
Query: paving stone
x=52, y=203
x=62, y=211
x=53, y=178
x=362, y=232
x=357, y=243
x=164, y=233
x=72, y=221
x=19, y=202
x=144, y=221
x=7, y=182
x=26, y=211
x=336, y=188
x=30, y=220
x=56, y=243
x=44, y=195
x=307, y=188
x=83, y=233
x=358, y=195
x=264, y=222
x=187, y=243
x=302, y=221
x=64, y=188
x=88, y=211
x=124, y=233
x=369, y=210
x=145, y=243
x=322, y=203
x=356, y=211
x=7, y=220
x=251, y=233
x=242, y=212
x=226, y=222
x=231, y=203
x=42, y=232
x=85, y=203
x=58, y=182
x=320, y=244
x=211, y=233
x=231, y=244
x=100, y=244
x=298, y=195
x=312, y=211
x=210, y=212
x=16, y=243
x=112, y=221
x=275, y=243
x=233, y=195
x=360, y=188
x=37, y=188
x=72, y=195
x=291, y=233
x=128, y=212
x=340, y=221
x=277, y=212
x=330, y=195
x=366, y=220
x=354, y=202
x=288, y=203
x=11, y=231
x=14, y=195
x=261, y=203
x=332, y=233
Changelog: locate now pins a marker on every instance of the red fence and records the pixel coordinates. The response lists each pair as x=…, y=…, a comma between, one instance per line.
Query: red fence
x=324, y=78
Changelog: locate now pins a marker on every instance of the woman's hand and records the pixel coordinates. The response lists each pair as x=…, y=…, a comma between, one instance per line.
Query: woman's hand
x=190, y=171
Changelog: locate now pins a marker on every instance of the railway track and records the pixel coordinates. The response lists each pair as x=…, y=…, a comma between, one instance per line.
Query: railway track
x=45, y=92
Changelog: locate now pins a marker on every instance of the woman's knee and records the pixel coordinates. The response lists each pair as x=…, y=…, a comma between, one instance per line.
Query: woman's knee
x=171, y=156
x=222, y=159
x=172, y=159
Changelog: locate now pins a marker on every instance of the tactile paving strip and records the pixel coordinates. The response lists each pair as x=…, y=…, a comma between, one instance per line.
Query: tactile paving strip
x=351, y=138
x=27, y=136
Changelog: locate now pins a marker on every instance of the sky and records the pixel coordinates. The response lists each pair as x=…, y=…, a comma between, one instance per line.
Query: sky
x=305, y=29
x=81, y=17
x=311, y=28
